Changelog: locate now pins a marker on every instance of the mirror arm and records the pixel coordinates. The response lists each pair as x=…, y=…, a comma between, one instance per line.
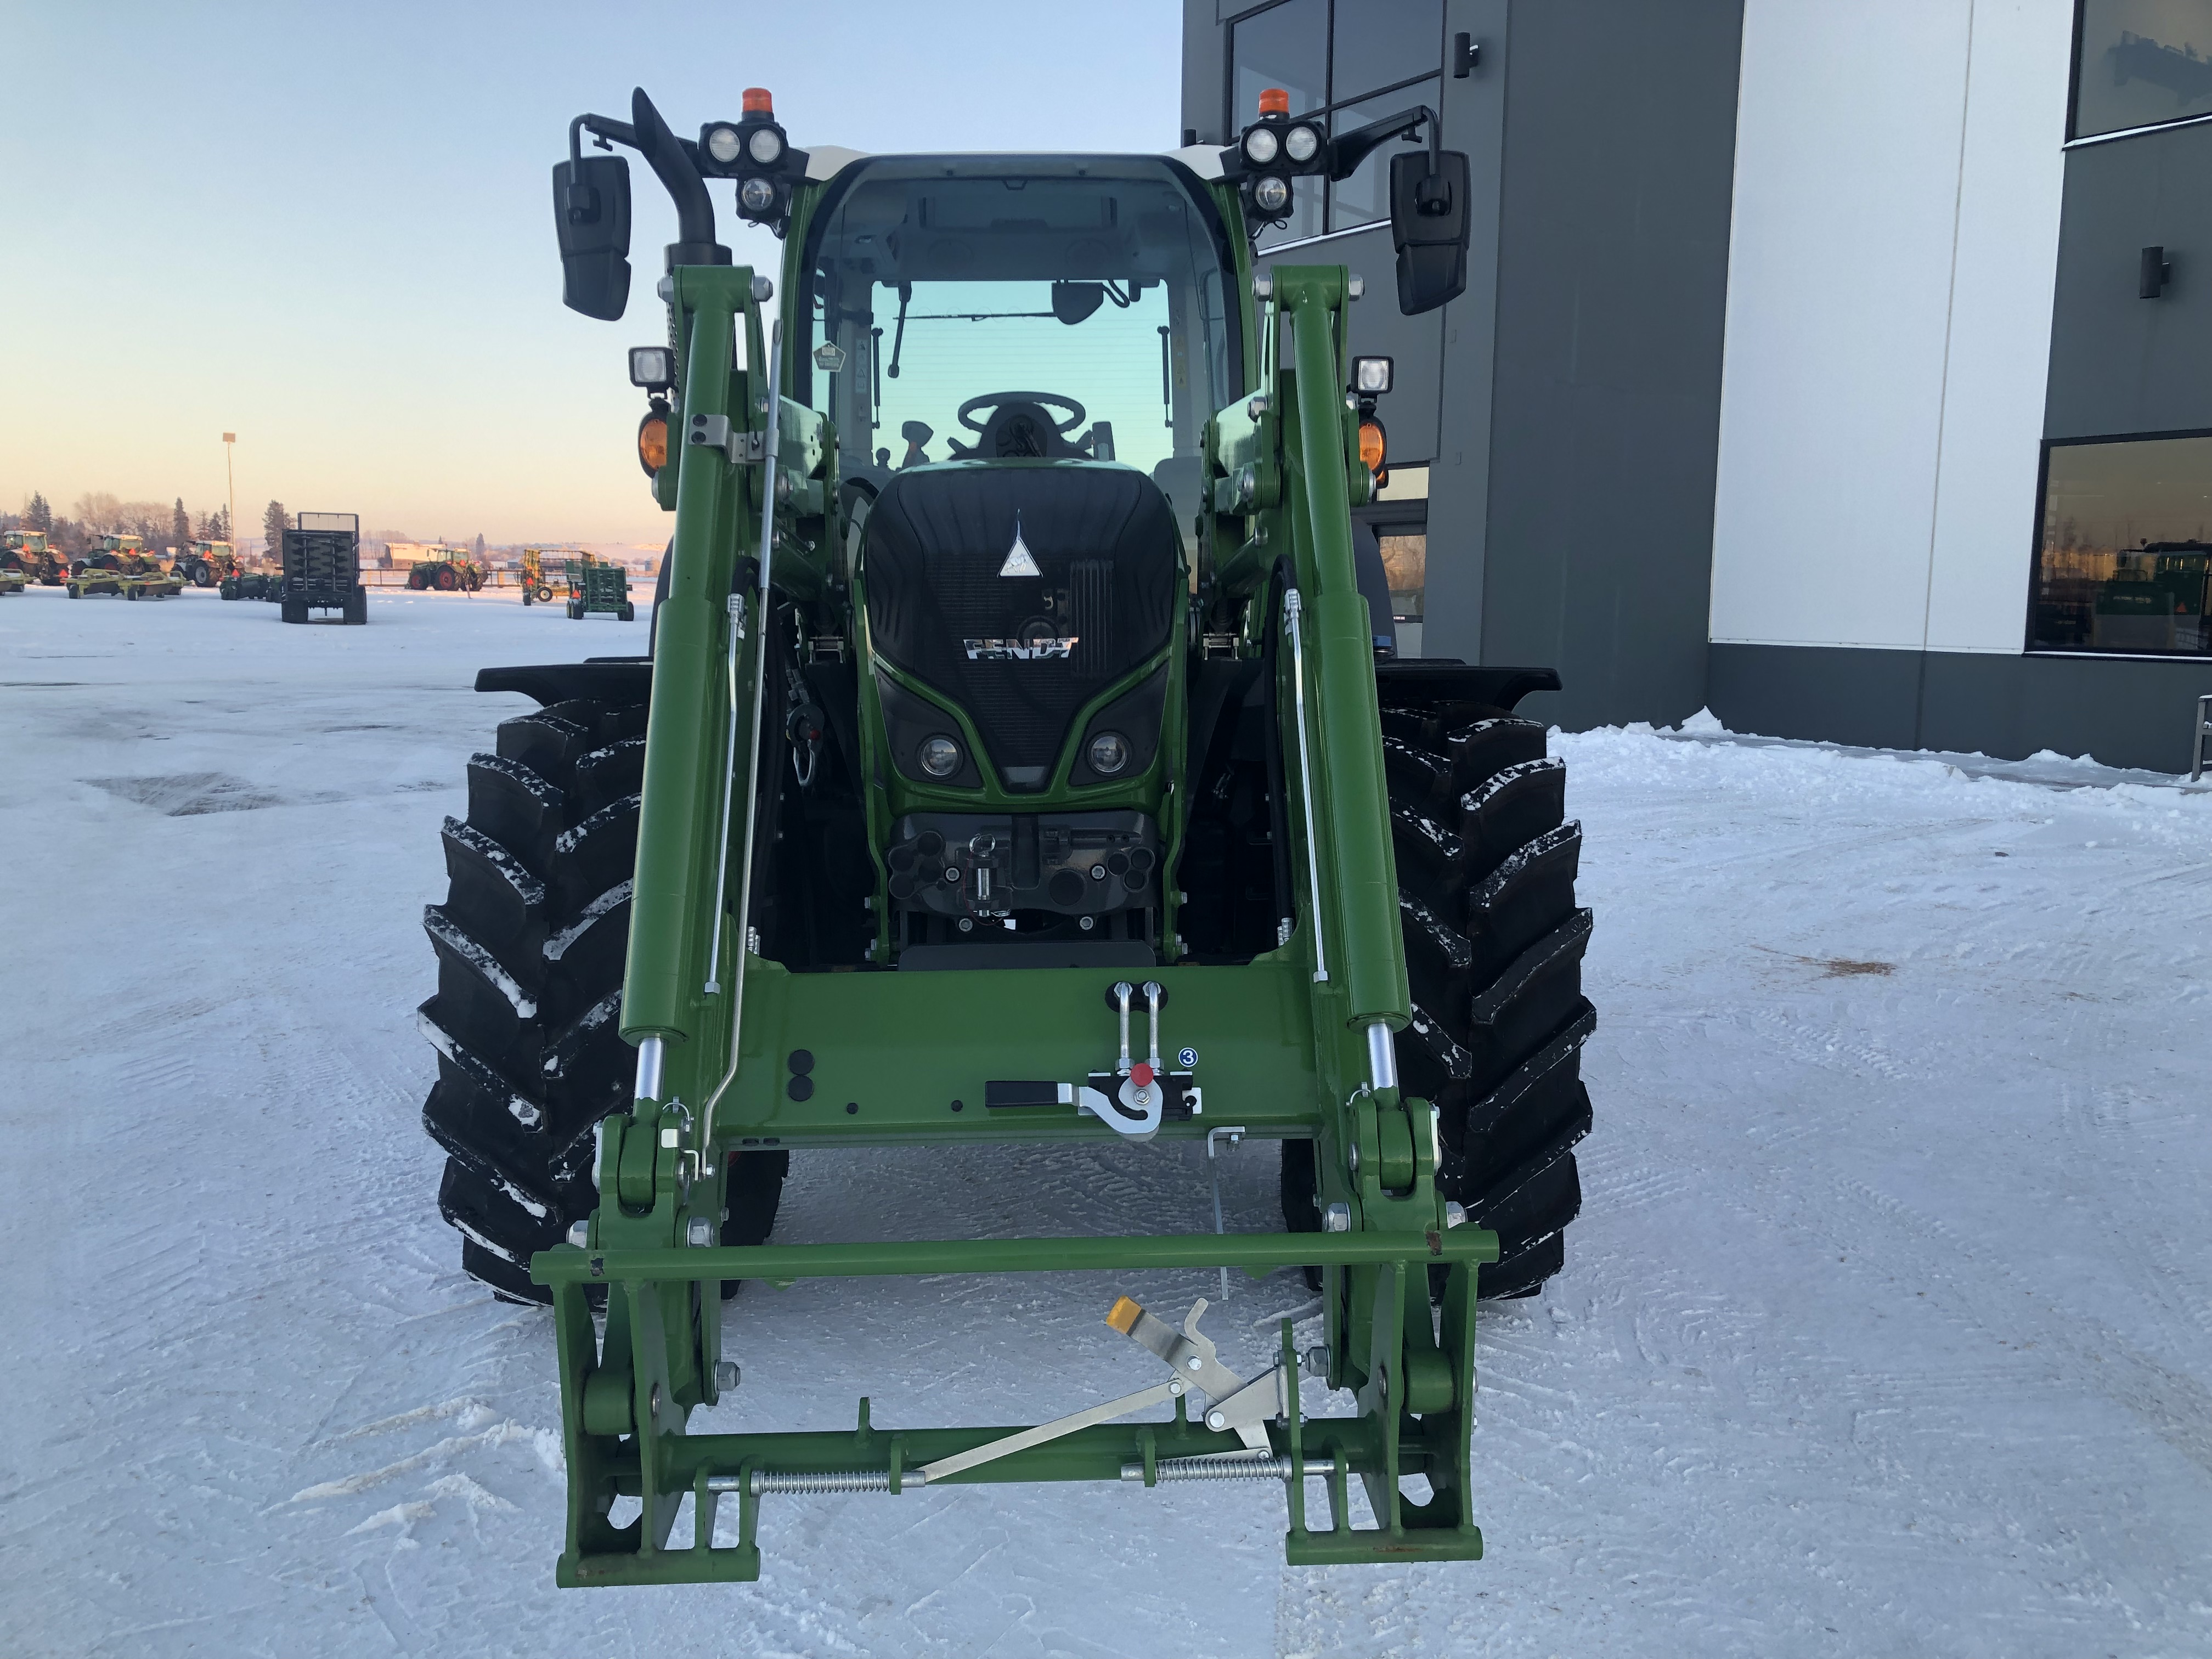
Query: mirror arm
x=602, y=130
x=1347, y=152
x=695, y=210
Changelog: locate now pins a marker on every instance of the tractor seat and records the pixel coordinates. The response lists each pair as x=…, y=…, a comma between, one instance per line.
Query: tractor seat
x=1018, y=593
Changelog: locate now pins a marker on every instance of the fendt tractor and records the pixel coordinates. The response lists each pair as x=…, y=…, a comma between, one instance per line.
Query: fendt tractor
x=207, y=564
x=28, y=552
x=1046, y=785
x=449, y=570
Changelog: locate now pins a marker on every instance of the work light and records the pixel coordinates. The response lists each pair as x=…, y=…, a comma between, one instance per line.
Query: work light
x=723, y=143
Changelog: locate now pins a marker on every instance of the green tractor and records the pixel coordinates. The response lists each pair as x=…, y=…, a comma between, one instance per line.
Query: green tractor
x=120, y=565
x=451, y=570
x=1058, y=786
x=599, y=586
x=208, y=564
x=25, y=553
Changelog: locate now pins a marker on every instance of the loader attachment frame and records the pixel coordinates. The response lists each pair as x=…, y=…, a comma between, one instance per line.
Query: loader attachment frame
x=1295, y=1044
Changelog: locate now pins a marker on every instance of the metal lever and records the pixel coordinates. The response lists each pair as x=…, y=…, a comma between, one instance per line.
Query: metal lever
x=1234, y=1403
x=1232, y=1134
x=1122, y=991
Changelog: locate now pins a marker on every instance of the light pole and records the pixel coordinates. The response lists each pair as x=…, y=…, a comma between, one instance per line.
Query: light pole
x=230, y=476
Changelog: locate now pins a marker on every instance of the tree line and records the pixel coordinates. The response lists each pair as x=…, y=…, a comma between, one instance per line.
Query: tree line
x=97, y=514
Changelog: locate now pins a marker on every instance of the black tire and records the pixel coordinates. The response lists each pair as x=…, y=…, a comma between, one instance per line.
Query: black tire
x=531, y=943
x=1494, y=944
x=627, y=612
x=293, y=610
x=575, y=611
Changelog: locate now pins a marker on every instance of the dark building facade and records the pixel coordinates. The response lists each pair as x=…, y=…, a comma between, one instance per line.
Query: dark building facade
x=1740, y=408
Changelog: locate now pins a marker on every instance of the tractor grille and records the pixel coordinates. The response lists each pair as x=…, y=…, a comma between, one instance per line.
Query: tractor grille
x=1020, y=654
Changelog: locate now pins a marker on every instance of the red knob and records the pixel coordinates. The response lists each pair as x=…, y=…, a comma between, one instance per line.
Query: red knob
x=1141, y=1075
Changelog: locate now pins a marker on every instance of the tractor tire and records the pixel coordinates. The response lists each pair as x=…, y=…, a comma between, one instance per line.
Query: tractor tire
x=228, y=590
x=75, y=592
x=132, y=591
x=627, y=612
x=445, y=580
x=1494, y=943
x=292, y=610
x=526, y=593
x=575, y=611
x=544, y=596
x=418, y=580
x=474, y=581
x=355, y=611
x=531, y=944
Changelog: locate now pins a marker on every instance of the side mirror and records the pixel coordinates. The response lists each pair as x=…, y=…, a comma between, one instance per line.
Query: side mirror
x=591, y=214
x=1430, y=226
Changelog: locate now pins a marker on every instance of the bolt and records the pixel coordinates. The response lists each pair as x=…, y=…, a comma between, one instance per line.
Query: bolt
x=1357, y=287
x=1352, y=1160
x=1194, y=1363
x=1336, y=1219
x=764, y=290
x=700, y=1233
x=1216, y=1420
x=1316, y=1360
x=1455, y=1213
x=725, y=1376
x=579, y=1231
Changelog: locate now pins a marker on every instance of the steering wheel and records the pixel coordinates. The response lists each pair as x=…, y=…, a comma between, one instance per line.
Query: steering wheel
x=991, y=400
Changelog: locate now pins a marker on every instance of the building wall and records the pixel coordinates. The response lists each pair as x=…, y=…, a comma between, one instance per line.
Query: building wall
x=1898, y=180
x=1612, y=254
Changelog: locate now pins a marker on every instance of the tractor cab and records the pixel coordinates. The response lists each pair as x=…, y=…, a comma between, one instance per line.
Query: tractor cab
x=1018, y=357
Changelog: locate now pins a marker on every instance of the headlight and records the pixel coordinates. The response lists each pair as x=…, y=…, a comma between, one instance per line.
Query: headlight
x=722, y=144
x=653, y=368
x=941, y=757
x=1109, y=753
x=766, y=146
x=1300, y=144
x=1261, y=145
x=1272, y=195
x=1371, y=376
x=756, y=195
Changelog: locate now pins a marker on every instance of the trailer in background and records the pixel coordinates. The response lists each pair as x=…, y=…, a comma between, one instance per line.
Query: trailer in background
x=322, y=568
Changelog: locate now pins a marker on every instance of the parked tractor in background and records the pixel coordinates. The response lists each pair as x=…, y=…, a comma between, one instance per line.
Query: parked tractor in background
x=451, y=570
x=322, y=568
x=28, y=552
x=599, y=586
x=110, y=553
x=1049, y=789
x=25, y=553
x=121, y=566
x=206, y=564
x=536, y=588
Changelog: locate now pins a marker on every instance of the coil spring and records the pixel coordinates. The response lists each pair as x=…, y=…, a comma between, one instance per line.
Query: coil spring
x=784, y=1481
x=1231, y=1468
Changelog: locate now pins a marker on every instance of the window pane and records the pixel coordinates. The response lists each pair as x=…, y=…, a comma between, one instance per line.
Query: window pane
x=1366, y=196
x=2143, y=61
x=1380, y=43
x=2127, y=546
x=1287, y=46
x=1406, y=564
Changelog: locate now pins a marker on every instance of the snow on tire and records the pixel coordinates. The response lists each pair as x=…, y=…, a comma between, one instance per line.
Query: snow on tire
x=530, y=943
x=1494, y=944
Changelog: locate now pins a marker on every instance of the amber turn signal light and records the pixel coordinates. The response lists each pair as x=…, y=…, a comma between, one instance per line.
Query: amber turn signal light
x=1372, y=446
x=652, y=439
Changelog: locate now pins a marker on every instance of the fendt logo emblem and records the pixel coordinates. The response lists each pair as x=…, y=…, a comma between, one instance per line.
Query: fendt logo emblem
x=1020, y=562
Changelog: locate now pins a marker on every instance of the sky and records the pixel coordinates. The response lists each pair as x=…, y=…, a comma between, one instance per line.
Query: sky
x=329, y=229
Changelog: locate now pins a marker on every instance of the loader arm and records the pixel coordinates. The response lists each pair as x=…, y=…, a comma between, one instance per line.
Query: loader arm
x=738, y=1050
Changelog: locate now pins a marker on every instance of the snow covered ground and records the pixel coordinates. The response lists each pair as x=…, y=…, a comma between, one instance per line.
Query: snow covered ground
x=1887, y=1328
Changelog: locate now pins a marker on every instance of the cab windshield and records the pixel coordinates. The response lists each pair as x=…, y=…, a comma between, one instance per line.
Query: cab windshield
x=1008, y=308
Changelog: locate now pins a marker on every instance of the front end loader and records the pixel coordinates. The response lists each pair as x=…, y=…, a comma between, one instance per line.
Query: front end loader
x=1065, y=702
